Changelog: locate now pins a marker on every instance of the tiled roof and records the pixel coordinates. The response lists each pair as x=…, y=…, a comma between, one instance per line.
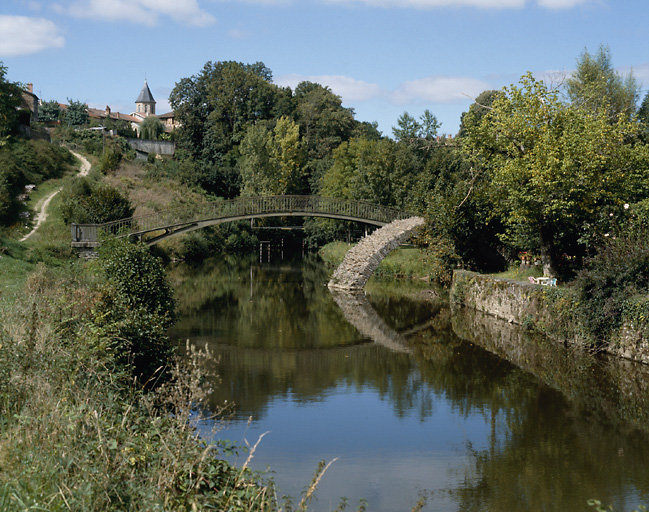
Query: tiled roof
x=167, y=115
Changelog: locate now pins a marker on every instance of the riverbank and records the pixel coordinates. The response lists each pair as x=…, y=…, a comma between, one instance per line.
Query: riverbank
x=551, y=311
x=79, y=429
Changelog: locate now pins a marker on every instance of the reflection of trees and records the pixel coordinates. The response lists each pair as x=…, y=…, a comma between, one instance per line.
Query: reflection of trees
x=552, y=445
x=550, y=452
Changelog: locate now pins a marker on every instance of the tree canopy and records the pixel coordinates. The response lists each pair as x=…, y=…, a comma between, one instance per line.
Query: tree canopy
x=552, y=168
x=595, y=85
x=10, y=100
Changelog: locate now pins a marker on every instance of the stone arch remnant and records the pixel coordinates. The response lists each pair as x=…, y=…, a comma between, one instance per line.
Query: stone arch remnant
x=363, y=259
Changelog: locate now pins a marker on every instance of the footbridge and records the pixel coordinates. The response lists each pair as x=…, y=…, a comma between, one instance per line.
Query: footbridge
x=359, y=264
x=155, y=227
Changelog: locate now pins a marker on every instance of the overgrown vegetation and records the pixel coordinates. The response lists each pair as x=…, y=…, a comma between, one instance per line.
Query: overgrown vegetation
x=77, y=432
x=85, y=201
x=24, y=162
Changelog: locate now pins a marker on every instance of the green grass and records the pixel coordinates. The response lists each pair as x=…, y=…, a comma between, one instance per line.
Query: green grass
x=14, y=268
x=515, y=273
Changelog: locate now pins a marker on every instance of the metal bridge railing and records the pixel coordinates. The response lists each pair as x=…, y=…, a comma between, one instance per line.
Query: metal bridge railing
x=238, y=207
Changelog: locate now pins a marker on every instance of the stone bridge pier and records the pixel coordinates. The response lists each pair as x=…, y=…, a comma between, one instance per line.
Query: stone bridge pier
x=363, y=259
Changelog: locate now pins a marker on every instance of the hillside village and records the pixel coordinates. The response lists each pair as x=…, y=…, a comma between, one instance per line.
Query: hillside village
x=145, y=106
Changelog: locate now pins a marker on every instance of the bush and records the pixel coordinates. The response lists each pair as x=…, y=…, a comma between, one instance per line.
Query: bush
x=618, y=273
x=87, y=203
x=110, y=159
x=138, y=307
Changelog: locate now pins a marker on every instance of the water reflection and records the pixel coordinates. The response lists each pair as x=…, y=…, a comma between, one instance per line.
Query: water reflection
x=413, y=397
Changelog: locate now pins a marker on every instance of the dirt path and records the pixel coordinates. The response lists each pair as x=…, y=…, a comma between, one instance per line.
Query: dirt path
x=41, y=206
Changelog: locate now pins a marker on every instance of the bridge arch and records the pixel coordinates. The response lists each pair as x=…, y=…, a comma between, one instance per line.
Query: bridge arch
x=156, y=227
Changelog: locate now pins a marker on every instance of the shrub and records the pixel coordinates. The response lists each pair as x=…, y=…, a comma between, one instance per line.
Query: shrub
x=85, y=202
x=138, y=278
x=138, y=308
x=616, y=274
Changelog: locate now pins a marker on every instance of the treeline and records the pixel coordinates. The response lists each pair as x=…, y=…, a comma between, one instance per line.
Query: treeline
x=552, y=171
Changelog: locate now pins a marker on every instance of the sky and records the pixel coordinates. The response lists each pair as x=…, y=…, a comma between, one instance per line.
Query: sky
x=383, y=57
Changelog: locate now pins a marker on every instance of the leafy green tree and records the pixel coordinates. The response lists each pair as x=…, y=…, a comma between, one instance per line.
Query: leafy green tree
x=271, y=161
x=49, y=111
x=643, y=111
x=429, y=125
x=324, y=125
x=215, y=106
x=151, y=128
x=139, y=307
x=477, y=110
x=10, y=100
x=377, y=171
x=550, y=167
x=643, y=117
x=408, y=128
x=76, y=114
x=596, y=85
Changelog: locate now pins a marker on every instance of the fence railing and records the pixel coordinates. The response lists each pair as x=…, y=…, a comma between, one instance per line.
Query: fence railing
x=235, y=208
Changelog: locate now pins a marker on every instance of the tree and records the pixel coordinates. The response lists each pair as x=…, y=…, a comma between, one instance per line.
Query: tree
x=643, y=111
x=429, y=125
x=76, y=114
x=324, y=125
x=477, y=110
x=551, y=168
x=10, y=101
x=151, y=128
x=643, y=117
x=271, y=160
x=596, y=85
x=216, y=106
x=409, y=129
x=378, y=171
x=49, y=111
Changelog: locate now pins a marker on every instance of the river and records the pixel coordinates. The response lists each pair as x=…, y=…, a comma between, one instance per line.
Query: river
x=412, y=399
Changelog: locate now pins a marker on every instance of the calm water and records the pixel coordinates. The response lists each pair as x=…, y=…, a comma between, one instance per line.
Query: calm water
x=412, y=399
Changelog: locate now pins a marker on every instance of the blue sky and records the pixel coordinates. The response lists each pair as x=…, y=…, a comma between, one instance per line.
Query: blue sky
x=383, y=57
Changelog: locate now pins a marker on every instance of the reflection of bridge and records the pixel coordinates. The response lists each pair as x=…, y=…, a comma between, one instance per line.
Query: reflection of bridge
x=359, y=312
x=155, y=227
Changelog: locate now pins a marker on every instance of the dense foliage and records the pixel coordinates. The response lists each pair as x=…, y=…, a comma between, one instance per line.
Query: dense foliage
x=24, y=162
x=86, y=202
x=139, y=307
x=10, y=101
x=552, y=168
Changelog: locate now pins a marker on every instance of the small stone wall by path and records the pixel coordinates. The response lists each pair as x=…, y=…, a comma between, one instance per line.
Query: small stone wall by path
x=363, y=259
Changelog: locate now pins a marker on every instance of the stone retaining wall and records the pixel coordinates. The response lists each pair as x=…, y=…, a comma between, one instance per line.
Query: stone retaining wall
x=549, y=310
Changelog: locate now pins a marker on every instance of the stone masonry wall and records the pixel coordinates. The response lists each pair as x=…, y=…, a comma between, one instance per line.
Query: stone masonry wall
x=363, y=259
x=548, y=310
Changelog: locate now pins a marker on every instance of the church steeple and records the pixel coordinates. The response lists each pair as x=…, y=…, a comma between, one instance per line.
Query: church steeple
x=145, y=104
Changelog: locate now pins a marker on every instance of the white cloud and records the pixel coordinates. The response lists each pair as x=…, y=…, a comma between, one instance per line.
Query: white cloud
x=438, y=89
x=430, y=4
x=562, y=4
x=22, y=35
x=433, y=89
x=144, y=12
x=348, y=88
x=236, y=33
